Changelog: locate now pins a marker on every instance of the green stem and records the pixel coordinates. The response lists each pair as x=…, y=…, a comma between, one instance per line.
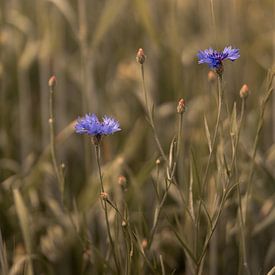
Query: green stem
x=214, y=141
x=52, y=139
x=97, y=151
x=150, y=117
x=234, y=160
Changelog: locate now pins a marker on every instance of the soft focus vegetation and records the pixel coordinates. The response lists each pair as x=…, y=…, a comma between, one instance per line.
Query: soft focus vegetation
x=205, y=206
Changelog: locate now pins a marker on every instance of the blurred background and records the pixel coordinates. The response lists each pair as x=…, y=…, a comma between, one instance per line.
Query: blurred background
x=90, y=46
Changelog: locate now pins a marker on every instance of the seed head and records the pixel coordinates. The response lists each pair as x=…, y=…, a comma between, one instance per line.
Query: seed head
x=140, y=57
x=244, y=91
x=181, y=106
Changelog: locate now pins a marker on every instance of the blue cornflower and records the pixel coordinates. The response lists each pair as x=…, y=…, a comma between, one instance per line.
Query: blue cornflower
x=90, y=125
x=214, y=58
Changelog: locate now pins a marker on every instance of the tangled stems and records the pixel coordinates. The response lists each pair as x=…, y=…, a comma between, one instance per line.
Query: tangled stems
x=214, y=141
x=97, y=154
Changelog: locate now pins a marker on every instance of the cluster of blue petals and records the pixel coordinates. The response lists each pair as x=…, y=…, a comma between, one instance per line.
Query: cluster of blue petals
x=90, y=124
x=214, y=58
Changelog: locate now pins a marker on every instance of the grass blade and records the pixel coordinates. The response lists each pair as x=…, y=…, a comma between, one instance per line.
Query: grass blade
x=23, y=216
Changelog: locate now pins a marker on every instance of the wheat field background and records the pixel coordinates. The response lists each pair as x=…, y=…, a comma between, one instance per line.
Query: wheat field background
x=160, y=224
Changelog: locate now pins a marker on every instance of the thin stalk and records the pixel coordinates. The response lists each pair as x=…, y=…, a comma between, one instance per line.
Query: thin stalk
x=214, y=141
x=160, y=207
x=52, y=137
x=150, y=117
x=97, y=153
x=256, y=141
x=211, y=232
x=234, y=159
x=179, y=135
x=213, y=19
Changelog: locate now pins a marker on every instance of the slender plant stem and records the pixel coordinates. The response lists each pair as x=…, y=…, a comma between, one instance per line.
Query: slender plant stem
x=179, y=135
x=214, y=140
x=150, y=117
x=52, y=138
x=234, y=159
x=213, y=19
x=97, y=153
x=213, y=145
x=256, y=141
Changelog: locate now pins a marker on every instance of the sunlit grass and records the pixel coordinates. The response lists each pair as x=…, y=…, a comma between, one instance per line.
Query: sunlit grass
x=187, y=185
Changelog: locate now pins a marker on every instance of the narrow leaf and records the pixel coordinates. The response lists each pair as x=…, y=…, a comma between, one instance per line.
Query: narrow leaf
x=23, y=216
x=207, y=134
x=233, y=126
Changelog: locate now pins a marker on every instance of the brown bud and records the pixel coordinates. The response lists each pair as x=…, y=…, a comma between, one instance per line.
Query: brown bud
x=244, y=91
x=212, y=77
x=144, y=243
x=140, y=57
x=104, y=196
x=52, y=81
x=87, y=254
x=122, y=181
x=181, y=106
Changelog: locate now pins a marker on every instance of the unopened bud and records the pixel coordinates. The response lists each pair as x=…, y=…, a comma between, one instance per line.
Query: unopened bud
x=144, y=243
x=122, y=181
x=140, y=57
x=244, y=91
x=158, y=162
x=52, y=81
x=181, y=106
x=124, y=223
x=87, y=253
x=212, y=77
x=104, y=196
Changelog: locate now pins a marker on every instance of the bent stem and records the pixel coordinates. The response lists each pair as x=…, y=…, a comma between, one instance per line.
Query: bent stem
x=104, y=204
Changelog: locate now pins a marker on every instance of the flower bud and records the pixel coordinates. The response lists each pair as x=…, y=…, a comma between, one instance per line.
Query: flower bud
x=122, y=181
x=181, y=106
x=244, y=91
x=140, y=57
x=52, y=81
x=212, y=77
x=158, y=162
x=104, y=196
x=144, y=243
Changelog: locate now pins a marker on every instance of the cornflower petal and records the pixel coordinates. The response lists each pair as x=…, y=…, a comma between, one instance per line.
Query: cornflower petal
x=214, y=59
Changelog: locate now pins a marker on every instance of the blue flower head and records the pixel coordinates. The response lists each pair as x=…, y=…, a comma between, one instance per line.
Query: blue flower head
x=215, y=58
x=90, y=125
